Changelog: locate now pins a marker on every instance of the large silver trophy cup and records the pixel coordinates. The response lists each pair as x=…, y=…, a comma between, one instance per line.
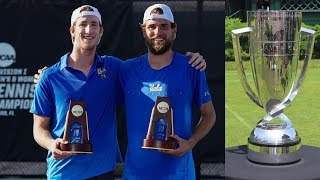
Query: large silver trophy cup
x=274, y=38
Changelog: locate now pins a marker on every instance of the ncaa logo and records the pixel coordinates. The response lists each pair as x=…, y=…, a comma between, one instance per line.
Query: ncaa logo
x=163, y=107
x=77, y=110
x=7, y=55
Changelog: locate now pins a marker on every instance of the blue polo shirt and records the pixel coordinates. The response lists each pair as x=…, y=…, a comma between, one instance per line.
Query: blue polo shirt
x=186, y=88
x=100, y=90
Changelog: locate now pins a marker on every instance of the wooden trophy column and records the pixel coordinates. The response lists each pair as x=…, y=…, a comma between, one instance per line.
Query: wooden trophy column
x=160, y=126
x=76, y=130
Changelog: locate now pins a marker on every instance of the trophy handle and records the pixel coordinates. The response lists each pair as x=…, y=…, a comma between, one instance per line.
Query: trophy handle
x=237, y=55
x=311, y=38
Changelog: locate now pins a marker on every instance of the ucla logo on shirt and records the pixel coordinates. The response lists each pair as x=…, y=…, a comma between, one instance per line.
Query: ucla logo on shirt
x=155, y=87
x=102, y=72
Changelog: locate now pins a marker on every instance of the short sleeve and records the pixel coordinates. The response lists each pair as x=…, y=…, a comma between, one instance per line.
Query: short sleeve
x=42, y=101
x=202, y=93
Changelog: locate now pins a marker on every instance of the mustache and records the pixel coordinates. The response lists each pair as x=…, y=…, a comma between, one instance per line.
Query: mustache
x=155, y=37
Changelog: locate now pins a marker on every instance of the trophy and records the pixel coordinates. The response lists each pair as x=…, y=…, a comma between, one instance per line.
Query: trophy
x=160, y=126
x=76, y=130
x=274, y=38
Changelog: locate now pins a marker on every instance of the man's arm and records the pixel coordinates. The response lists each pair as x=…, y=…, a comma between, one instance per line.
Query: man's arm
x=42, y=136
x=207, y=120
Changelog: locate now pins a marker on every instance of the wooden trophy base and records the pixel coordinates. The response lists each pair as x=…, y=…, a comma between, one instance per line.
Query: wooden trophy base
x=77, y=148
x=160, y=145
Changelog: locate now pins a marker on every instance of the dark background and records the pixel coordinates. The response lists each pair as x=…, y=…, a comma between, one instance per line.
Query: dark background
x=39, y=32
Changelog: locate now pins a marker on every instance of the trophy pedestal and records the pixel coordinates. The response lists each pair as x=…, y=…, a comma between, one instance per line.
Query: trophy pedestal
x=237, y=165
x=77, y=148
x=275, y=146
x=160, y=145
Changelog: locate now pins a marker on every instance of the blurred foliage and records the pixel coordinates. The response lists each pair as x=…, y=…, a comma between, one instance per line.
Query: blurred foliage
x=231, y=24
x=304, y=41
x=236, y=23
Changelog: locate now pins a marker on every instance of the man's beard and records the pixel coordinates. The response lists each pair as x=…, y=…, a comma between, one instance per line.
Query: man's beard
x=158, y=49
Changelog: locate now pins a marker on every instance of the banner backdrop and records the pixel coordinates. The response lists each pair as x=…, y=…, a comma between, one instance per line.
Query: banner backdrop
x=36, y=34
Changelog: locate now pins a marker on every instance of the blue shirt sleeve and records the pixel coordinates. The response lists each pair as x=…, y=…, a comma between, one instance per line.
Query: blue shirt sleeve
x=120, y=95
x=122, y=74
x=202, y=93
x=119, y=90
x=42, y=101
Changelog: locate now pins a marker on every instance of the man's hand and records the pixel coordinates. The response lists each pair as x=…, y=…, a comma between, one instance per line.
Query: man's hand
x=37, y=76
x=56, y=152
x=184, y=147
x=197, y=61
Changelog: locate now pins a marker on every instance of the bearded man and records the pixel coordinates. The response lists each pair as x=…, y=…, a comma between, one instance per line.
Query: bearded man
x=163, y=72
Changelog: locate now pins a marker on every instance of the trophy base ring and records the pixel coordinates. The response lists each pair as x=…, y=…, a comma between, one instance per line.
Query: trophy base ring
x=159, y=145
x=77, y=148
x=273, y=155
